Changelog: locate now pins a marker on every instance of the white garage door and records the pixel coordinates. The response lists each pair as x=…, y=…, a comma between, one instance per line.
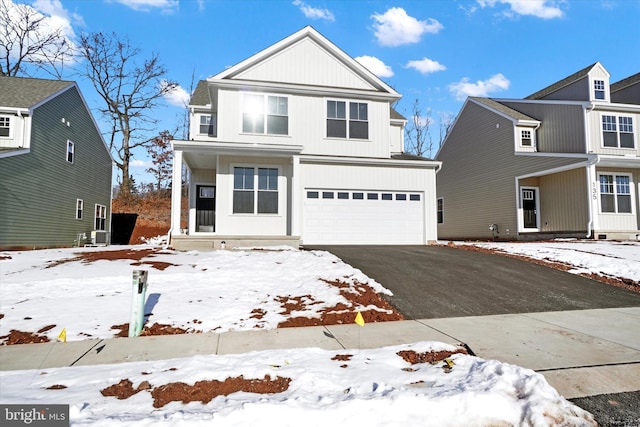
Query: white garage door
x=363, y=217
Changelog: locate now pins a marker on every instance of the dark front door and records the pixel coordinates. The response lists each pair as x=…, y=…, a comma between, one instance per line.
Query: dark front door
x=205, y=208
x=529, y=208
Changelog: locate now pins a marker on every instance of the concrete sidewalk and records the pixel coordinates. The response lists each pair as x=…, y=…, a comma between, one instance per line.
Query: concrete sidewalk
x=581, y=353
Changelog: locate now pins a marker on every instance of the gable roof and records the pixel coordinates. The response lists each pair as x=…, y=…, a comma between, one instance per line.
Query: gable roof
x=21, y=92
x=201, y=94
x=562, y=83
x=324, y=49
x=503, y=110
x=625, y=83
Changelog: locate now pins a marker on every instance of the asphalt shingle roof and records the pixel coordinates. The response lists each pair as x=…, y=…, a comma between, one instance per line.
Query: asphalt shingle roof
x=495, y=105
x=562, y=83
x=201, y=94
x=625, y=82
x=21, y=92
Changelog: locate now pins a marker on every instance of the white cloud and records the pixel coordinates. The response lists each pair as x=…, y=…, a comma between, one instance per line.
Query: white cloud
x=465, y=88
x=375, y=65
x=177, y=96
x=426, y=66
x=545, y=9
x=136, y=163
x=312, y=12
x=166, y=6
x=395, y=27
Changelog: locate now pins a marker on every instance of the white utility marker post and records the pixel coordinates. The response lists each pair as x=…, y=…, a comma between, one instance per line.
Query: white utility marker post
x=137, y=302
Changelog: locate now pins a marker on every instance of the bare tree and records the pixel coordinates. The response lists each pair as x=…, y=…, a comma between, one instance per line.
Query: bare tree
x=418, y=131
x=446, y=122
x=161, y=159
x=130, y=89
x=27, y=38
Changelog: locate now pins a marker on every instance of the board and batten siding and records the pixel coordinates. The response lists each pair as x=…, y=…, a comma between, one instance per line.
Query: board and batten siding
x=595, y=129
x=307, y=121
x=39, y=189
x=477, y=180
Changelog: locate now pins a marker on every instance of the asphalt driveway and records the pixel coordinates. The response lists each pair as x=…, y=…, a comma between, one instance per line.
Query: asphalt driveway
x=430, y=282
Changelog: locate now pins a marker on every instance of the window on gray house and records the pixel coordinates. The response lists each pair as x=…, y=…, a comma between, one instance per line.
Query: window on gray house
x=79, y=208
x=101, y=217
x=617, y=131
x=598, y=89
x=525, y=138
x=440, y=210
x=70, y=151
x=5, y=126
x=615, y=193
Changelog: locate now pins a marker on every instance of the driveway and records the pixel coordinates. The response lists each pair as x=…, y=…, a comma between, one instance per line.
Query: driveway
x=430, y=282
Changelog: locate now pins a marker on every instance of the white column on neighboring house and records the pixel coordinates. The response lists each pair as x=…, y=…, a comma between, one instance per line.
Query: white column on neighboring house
x=176, y=193
x=296, y=193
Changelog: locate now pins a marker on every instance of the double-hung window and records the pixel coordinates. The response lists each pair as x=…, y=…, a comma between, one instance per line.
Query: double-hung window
x=617, y=131
x=352, y=123
x=70, y=151
x=79, y=208
x=598, y=89
x=615, y=193
x=101, y=217
x=5, y=126
x=255, y=190
x=208, y=124
x=265, y=114
x=525, y=138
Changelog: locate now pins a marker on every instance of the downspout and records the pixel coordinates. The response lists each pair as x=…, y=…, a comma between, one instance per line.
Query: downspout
x=593, y=160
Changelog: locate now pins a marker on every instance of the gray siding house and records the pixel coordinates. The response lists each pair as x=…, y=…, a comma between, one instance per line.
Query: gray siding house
x=562, y=162
x=55, y=169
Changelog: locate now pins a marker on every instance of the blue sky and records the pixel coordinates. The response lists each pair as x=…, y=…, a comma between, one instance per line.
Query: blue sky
x=435, y=51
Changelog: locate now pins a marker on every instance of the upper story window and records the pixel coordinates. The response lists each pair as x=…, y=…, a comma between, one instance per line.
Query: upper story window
x=79, y=208
x=255, y=193
x=101, y=217
x=617, y=131
x=208, y=124
x=526, y=138
x=355, y=126
x=265, y=114
x=598, y=89
x=5, y=126
x=70, y=151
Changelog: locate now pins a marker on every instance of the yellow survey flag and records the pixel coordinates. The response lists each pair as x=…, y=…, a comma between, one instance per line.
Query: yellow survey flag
x=359, y=320
x=63, y=335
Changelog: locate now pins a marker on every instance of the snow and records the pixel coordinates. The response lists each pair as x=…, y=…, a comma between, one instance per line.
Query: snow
x=218, y=291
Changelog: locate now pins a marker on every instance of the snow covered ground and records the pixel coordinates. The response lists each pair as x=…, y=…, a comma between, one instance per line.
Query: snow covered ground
x=219, y=291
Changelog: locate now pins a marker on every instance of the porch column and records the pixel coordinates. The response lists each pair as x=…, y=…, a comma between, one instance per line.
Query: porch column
x=593, y=192
x=176, y=193
x=296, y=191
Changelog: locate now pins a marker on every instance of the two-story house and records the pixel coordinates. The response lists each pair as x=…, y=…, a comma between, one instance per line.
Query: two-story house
x=564, y=161
x=299, y=144
x=55, y=169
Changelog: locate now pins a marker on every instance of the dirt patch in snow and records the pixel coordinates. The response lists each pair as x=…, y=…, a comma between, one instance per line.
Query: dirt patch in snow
x=155, y=329
x=201, y=391
x=413, y=357
x=619, y=282
x=21, y=337
x=137, y=255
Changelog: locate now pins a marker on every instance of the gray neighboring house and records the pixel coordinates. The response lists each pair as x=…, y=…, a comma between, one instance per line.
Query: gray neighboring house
x=55, y=168
x=562, y=162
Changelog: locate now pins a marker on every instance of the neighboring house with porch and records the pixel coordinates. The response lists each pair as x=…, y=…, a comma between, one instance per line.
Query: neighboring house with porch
x=299, y=144
x=564, y=161
x=55, y=169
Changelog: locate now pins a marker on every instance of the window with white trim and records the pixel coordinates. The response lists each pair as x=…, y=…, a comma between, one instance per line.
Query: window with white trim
x=101, y=217
x=5, y=126
x=255, y=193
x=355, y=126
x=208, y=124
x=526, y=138
x=615, y=193
x=617, y=131
x=79, y=208
x=599, y=89
x=265, y=114
x=70, y=151
x=440, y=210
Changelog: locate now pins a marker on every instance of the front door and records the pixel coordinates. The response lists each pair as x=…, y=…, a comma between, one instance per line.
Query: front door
x=205, y=208
x=530, y=207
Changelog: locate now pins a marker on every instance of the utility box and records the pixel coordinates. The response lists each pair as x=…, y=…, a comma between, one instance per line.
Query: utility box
x=139, y=291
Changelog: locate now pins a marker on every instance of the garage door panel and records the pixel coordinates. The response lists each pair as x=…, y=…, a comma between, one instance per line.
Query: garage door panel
x=363, y=221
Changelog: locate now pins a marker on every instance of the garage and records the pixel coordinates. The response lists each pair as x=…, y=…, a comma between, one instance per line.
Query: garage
x=336, y=216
